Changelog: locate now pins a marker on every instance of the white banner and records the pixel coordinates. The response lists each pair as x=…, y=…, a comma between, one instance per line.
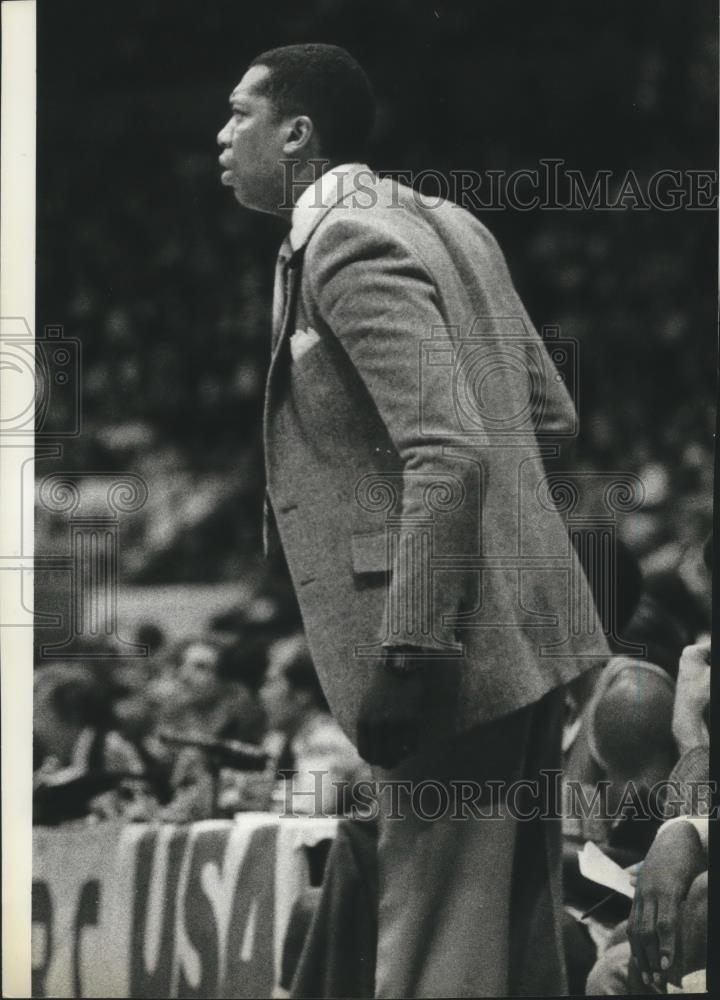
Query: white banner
x=196, y=910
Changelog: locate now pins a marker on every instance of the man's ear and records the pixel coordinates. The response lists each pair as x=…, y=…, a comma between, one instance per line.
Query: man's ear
x=300, y=132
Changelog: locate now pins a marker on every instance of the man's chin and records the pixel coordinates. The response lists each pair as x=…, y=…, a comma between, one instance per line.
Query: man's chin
x=247, y=199
x=241, y=197
x=253, y=204
x=227, y=180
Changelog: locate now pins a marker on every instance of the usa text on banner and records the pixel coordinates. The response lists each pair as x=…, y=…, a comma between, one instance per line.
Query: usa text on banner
x=166, y=911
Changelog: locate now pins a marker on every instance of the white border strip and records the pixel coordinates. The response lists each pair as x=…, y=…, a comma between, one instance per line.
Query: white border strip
x=17, y=299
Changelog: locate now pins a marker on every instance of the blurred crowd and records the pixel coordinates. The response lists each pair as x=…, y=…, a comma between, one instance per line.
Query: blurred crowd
x=234, y=719
x=231, y=719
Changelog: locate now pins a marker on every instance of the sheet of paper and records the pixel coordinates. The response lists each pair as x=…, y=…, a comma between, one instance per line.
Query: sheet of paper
x=598, y=867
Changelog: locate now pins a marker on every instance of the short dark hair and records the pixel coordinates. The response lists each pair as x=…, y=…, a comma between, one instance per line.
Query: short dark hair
x=325, y=83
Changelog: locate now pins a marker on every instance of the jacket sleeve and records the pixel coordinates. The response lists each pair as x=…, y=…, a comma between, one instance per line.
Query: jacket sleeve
x=378, y=298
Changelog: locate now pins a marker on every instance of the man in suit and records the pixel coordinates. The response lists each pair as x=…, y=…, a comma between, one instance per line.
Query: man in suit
x=410, y=411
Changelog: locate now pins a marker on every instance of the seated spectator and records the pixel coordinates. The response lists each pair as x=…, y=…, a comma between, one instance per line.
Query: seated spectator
x=136, y=710
x=629, y=724
x=302, y=738
x=625, y=736
x=203, y=698
x=78, y=750
x=202, y=692
x=662, y=947
x=622, y=744
x=621, y=730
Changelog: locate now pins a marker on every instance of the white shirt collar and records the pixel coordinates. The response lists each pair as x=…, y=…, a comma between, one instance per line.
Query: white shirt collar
x=328, y=190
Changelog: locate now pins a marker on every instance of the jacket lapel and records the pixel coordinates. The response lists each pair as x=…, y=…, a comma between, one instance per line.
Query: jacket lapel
x=290, y=277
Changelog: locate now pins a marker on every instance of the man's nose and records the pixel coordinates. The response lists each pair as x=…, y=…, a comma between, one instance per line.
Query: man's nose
x=224, y=136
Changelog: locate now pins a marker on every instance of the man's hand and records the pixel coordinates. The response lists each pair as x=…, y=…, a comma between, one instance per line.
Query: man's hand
x=405, y=691
x=675, y=859
x=692, y=696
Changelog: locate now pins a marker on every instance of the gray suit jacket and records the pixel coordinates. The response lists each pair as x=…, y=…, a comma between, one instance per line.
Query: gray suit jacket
x=407, y=403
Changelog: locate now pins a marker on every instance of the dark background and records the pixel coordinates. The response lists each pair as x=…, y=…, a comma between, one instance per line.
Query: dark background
x=145, y=258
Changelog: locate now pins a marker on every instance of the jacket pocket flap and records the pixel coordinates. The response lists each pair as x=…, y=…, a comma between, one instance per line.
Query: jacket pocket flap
x=370, y=552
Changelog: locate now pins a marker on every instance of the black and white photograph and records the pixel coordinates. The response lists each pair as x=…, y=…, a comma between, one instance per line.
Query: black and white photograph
x=360, y=367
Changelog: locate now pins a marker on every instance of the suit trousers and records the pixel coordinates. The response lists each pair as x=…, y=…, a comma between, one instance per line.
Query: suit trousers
x=470, y=856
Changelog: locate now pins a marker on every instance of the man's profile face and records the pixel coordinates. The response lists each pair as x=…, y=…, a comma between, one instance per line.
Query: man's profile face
x=253, y=141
